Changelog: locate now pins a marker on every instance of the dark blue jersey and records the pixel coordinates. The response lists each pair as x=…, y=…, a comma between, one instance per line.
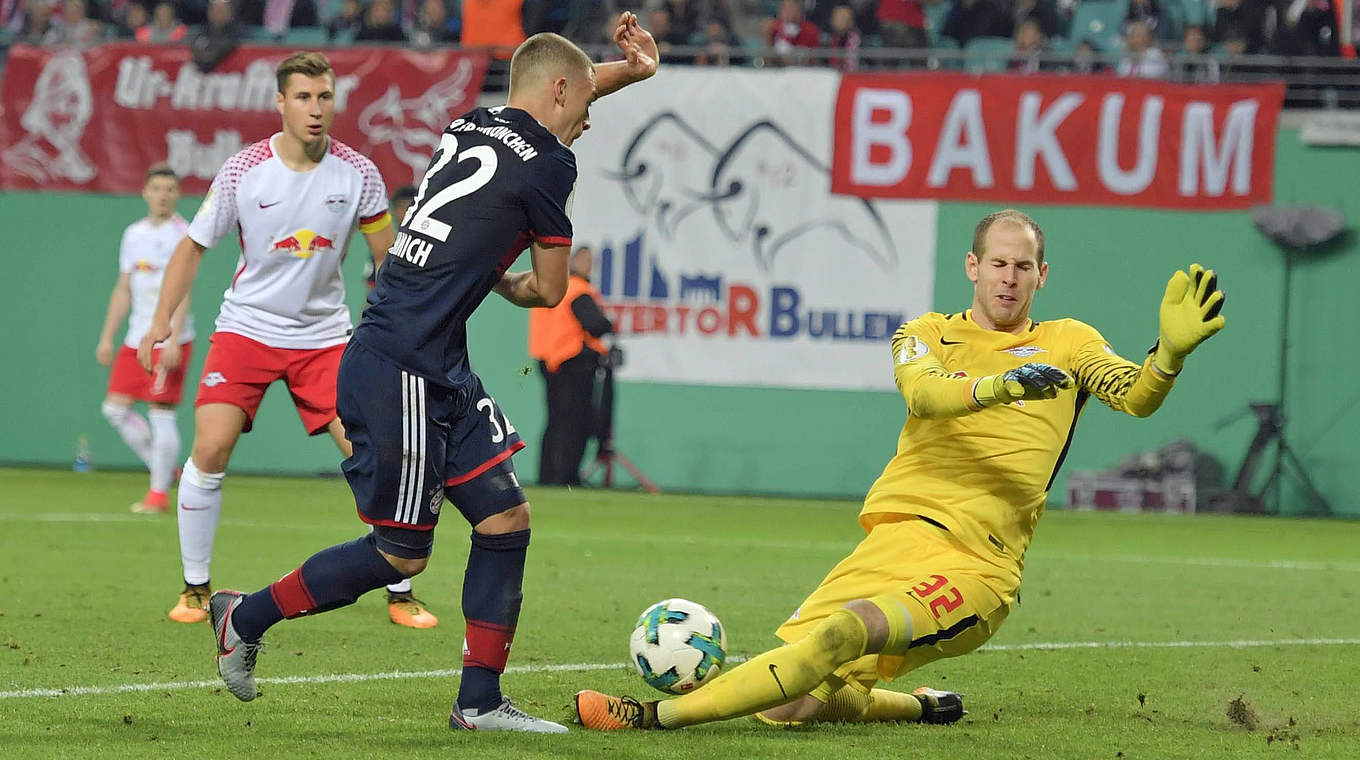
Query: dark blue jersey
x=498, y=181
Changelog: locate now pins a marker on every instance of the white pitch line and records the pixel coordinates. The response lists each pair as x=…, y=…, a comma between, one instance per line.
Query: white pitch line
x=1268, y=564
x=78, y=691
x=744, y=543
x=1238, y=644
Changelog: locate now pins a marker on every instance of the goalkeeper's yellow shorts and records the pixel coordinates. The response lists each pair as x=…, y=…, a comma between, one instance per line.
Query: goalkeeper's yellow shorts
x=955, y=599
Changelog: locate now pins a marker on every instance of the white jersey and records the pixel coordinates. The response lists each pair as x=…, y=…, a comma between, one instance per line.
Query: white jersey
x=142, y=256
x=293, y=228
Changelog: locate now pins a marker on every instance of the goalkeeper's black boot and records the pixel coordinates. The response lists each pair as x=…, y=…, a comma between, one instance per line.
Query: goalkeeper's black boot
x=939, y=706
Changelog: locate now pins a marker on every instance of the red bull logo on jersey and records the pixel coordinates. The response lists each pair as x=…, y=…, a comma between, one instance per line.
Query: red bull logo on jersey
x=303, y=244
x=143, y=265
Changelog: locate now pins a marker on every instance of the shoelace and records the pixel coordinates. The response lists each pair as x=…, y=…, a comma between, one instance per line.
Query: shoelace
x=406, y=599
x=198, y=598
x=626, y=710
x=508, y=706
x=250, y=653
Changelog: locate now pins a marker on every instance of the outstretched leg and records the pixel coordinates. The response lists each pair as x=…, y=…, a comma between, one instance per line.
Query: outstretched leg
x=775, y=678
x=332, y=578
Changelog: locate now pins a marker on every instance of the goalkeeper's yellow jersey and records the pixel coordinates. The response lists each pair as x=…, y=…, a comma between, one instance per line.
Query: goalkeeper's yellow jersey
x=984, y=474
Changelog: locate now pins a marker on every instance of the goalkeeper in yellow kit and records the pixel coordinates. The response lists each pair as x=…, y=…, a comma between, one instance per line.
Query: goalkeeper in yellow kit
x=992, y=401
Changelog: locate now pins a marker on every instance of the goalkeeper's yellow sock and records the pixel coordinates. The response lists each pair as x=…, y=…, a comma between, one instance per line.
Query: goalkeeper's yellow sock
x=850, y=705
x=890, y=706
x=773, y=678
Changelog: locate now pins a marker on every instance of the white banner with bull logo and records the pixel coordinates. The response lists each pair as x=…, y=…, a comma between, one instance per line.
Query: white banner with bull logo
x=722, y=255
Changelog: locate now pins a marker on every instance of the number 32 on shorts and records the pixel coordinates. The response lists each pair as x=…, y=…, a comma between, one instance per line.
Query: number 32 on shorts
x=498, y=432
x=938, y=594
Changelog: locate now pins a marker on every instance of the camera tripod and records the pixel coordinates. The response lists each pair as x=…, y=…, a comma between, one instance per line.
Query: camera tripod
x=606, y=456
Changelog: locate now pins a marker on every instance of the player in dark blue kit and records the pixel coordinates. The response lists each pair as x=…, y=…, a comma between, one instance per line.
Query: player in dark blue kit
x=423, y=427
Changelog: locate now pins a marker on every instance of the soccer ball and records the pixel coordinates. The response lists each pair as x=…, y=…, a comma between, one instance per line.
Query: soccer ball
x=678, y=646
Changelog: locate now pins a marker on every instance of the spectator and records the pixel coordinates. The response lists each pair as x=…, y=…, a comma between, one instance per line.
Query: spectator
x=1086, y=59
x=346, y=23
x=497, y=24
x=718, y=43
x=659, y=24
x=547, y=15
x=566, y=341
x=134, y=17
x=684, y=21
x=1142, y=59
x=1194, y=66
x=1150, y=13
x=975, y=18
x=1045, y=12
x=433, y=26
x=790, y=30
x=277, y=16
x=76, y=27
x=1028, y=48
x=164, y=28
x=844, y=38
x=1307, y=27
x=865, y=12
x=1239, y=25
x=380, y=24
x=218, y=38
x=38, y=27
x=902, y=23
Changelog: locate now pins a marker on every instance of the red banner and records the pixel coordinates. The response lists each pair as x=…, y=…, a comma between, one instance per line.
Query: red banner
x=1055, y=139
x=95, y=120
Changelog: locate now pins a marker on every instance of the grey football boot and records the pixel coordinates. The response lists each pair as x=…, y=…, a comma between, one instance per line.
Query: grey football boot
x=506, y=717
x=235, y=656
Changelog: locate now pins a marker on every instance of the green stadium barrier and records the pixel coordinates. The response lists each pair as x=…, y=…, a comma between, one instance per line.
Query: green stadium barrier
x=1108, y=267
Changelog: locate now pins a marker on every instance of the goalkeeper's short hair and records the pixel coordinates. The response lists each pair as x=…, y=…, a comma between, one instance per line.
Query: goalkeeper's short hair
x=1009, y=216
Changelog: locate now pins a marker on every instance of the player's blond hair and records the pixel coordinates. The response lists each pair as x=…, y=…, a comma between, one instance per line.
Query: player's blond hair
x=1007, y=216
x=307, y=63
x=546, y=54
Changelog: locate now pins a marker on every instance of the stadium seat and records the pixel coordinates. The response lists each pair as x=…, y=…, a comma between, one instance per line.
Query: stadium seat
x=1197, y=13
x=1061, y=46
x=1099, y=21
x=260, y=34
x=327, y=10
x=935, y=15
x=1173, y=14
x=988, y=54
x=305, y=36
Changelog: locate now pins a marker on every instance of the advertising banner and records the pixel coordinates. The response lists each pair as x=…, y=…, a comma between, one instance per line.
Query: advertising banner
x=96, y=119
x=721, y=252
x=1056, y=139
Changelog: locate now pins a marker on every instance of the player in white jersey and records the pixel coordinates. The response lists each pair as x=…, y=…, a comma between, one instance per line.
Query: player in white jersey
x=293, y=200
x=142, y=256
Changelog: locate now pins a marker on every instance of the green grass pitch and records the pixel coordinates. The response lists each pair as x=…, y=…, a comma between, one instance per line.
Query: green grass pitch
x=1134, y=635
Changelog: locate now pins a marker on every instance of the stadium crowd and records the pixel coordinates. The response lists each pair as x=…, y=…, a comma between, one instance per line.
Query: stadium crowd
x=1147, y=38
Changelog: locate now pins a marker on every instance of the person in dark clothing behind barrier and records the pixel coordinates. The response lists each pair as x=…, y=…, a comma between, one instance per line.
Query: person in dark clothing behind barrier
x=566, y=341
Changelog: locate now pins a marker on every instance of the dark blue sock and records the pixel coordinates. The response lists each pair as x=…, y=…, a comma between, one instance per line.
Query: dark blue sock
x=331, y=578
x=491, y=600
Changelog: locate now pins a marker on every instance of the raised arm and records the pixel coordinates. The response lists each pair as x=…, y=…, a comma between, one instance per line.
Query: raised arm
x=1189, y=315
x=640, y=57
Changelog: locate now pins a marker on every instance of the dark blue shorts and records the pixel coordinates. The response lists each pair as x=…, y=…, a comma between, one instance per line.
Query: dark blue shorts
x=416, y=443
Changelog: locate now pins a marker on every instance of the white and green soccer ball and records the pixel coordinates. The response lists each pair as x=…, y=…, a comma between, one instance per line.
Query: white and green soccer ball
x=678, y=646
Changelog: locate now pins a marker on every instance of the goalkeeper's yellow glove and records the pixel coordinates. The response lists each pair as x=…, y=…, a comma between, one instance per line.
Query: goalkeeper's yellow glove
x=1189, y=316
x=1029, y=382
